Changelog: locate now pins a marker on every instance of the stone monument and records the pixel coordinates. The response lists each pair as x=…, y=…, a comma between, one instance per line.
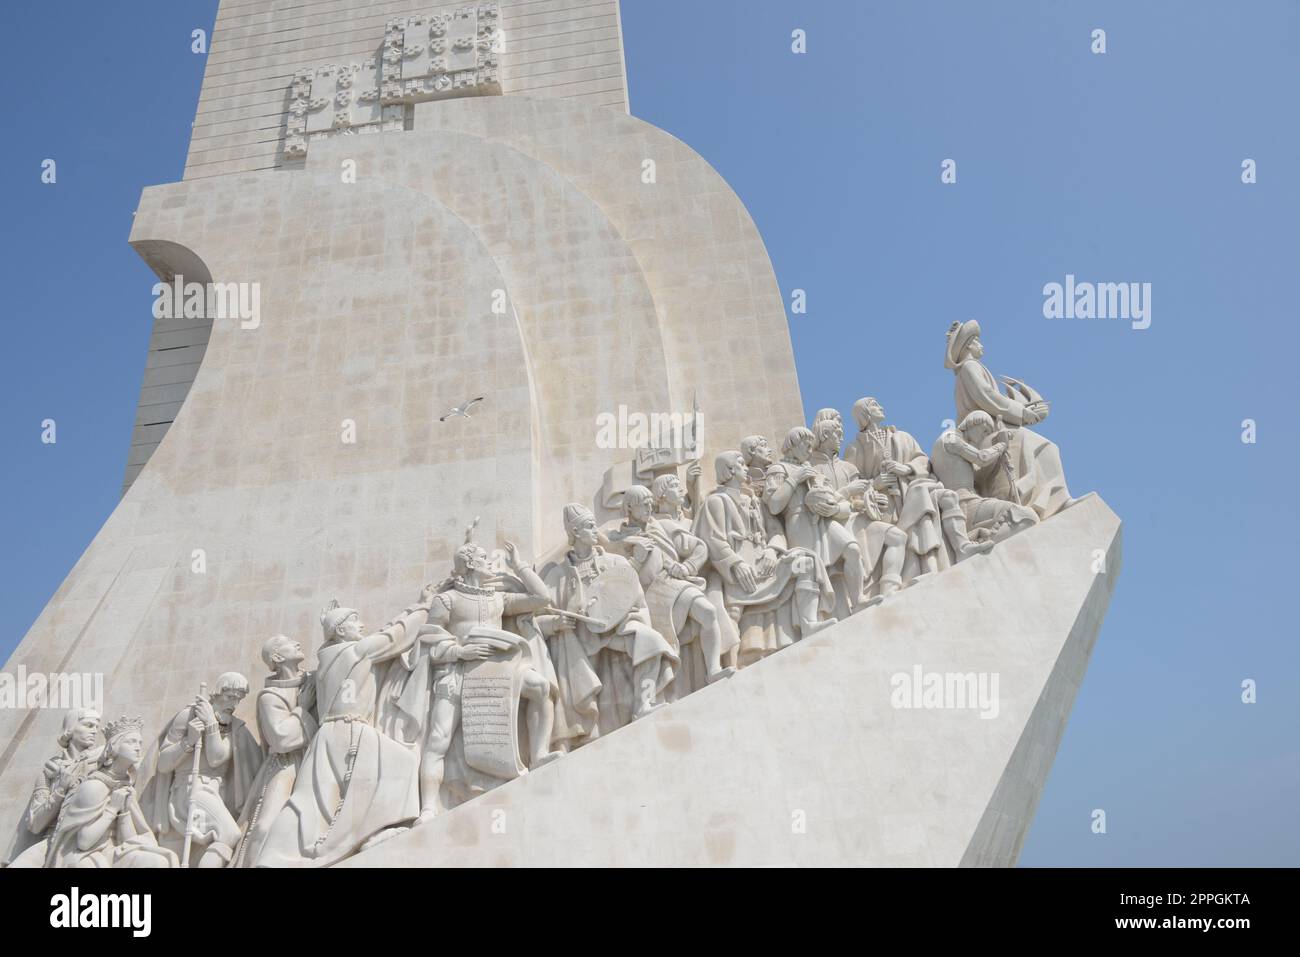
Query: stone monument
x=420, y=258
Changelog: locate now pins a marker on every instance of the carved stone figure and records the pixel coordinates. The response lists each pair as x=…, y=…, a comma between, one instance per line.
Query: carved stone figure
x=286, y=722
x=78, y=754
x=964, y=458
x=101, y=824
x=354, y=781
x=813, y=513
x=670, y=500
x=210, y=802
x=424, y=698
x=774, y=594
x=669, y=560
x=758, y=456
x=1038, y=478
x=613, y=666
x=928, y=513
x=864, y=511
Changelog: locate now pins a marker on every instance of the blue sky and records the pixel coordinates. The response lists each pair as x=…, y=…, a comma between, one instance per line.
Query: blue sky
x=1118, y=167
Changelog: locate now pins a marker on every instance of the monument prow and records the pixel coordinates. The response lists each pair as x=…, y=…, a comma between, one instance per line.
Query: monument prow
x=812, y=756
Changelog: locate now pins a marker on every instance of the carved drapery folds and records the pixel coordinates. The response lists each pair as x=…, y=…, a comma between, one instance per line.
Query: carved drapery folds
x=502, y=667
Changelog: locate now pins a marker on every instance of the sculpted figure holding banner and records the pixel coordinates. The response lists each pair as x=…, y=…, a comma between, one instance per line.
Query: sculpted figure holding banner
x=78, y=755
x=354, y=781
x=613, y=666
x=774, y=594
x=286, y=721
x=465, y=655
x=101, y=823
x=669, y=560
x=1037, y=476
x=209, y=803
x=964, y=458
x=813, y=512
x=929, y=514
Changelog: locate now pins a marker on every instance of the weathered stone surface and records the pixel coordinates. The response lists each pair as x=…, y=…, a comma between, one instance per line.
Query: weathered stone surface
x=801, y=759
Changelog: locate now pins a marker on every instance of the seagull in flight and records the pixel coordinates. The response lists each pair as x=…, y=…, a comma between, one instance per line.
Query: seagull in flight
x=461, y=410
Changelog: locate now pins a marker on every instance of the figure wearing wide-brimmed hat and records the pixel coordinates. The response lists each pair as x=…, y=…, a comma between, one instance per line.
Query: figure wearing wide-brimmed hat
x=1037, y=478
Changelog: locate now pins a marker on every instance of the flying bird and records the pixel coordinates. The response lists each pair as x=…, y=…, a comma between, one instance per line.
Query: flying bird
x=461, y=410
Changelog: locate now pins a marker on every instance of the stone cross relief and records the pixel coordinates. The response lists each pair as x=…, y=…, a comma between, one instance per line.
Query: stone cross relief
x=426, y=57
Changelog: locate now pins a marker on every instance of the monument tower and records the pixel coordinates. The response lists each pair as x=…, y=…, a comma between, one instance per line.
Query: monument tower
x=418, y=204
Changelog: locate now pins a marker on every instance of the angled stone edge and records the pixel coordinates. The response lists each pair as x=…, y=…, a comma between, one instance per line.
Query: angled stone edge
x=807, y=758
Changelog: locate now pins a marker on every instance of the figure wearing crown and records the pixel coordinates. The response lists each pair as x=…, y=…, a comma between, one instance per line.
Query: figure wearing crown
x=101, y=823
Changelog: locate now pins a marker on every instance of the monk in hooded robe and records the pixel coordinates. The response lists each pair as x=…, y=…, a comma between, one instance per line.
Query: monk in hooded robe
x=101, y=824
x=78, y=755
x=286, y=721
x=229, y=760
x=354, y=781
x=1038, y=479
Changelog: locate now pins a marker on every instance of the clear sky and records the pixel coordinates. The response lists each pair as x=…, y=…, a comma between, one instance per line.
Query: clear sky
x=1117, y=167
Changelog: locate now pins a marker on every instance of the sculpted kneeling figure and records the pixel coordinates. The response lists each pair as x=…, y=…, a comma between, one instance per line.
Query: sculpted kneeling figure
x=916, y=502
x=101, y=823
x=78, y=755
x=968, y=460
